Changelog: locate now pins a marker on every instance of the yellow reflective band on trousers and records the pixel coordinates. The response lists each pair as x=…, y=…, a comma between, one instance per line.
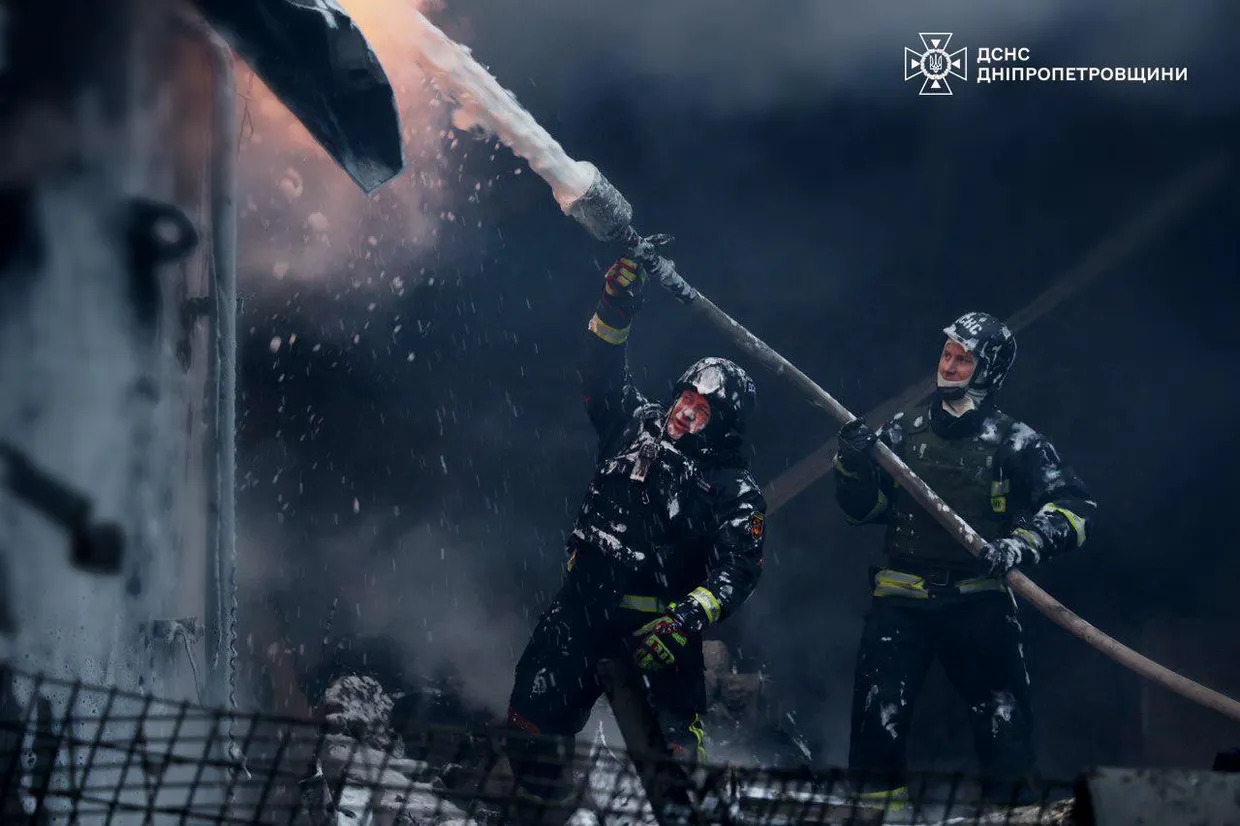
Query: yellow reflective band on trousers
x=897, y=583
x=891, y=583
x=647, y=605
x=708, y=603
x=895, y=799
x=699, y=734
x=972, y=586
x=609, y=334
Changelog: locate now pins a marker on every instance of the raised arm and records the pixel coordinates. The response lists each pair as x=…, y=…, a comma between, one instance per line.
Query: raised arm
x=606, y=384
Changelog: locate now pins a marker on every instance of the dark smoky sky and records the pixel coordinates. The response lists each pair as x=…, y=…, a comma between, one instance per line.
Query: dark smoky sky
x=412, y=442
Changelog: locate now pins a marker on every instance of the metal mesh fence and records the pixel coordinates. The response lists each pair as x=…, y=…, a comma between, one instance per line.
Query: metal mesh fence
x=75, y=753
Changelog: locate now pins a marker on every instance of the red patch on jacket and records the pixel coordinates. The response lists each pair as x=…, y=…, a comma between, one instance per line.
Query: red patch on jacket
x=757, y=525
x=522, y=722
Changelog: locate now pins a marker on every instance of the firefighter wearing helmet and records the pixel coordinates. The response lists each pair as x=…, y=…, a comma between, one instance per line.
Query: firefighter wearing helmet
x=932, y=598
x=667, y=542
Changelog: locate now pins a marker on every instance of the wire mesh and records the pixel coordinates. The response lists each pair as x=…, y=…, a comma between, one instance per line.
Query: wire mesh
x=77, y=753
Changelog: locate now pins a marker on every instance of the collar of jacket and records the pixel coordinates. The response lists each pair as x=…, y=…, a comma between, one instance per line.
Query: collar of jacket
x=947, y=426
x=725, y=452
x=710, y=447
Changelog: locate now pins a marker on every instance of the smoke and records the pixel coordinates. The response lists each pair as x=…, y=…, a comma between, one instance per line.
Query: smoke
x=740, y=57
x=303, y=220
x=458, y=403
x=432, y=597
x=424, y=591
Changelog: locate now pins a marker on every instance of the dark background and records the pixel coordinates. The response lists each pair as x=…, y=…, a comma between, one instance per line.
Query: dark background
x=416, y=453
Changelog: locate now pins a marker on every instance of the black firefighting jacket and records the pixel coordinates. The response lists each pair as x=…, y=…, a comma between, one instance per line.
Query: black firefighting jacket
x=658, y=520
x=996, y=472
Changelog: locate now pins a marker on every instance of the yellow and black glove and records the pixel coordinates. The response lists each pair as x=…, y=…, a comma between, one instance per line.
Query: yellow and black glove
x=624, y=281
x=665, y=637
x=622, y=297
x=661, y=640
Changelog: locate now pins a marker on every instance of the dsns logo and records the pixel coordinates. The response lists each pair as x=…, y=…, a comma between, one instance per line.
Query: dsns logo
x=935, y=64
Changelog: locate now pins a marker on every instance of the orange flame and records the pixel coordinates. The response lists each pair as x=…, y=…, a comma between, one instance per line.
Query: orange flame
x=302, y=217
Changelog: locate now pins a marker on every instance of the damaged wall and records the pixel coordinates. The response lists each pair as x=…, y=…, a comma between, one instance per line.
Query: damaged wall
x=108, y=359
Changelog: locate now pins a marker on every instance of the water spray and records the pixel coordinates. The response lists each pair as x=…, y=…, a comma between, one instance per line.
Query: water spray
x=588, y=197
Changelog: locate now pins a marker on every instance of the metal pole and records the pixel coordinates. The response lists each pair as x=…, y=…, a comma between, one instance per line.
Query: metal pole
x=225, y=140
x=221, y=574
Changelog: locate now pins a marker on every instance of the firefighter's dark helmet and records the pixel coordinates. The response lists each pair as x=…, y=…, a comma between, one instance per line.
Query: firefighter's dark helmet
x=992, y=345
x=727, y=387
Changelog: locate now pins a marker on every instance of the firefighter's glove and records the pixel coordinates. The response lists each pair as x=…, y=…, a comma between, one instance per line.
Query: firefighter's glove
x=856, y=443
x=622, y=286
x=661, y=641
x=1023, y=547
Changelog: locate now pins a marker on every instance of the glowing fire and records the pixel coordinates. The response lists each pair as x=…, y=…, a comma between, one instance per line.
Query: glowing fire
x=302, y=217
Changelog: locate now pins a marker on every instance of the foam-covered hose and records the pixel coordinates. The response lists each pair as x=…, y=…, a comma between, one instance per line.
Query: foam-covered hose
x=602, y=214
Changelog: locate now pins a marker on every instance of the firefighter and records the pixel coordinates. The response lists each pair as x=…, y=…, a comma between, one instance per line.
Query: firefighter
x=668, y=541
x=933, y=598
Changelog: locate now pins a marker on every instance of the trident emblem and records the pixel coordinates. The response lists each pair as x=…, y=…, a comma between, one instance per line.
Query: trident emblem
x=935, y=63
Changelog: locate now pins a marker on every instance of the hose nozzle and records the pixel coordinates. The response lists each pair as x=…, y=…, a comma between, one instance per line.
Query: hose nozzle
x=602, y=210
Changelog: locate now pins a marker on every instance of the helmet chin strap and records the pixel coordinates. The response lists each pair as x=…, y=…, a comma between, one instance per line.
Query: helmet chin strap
x=958, y=398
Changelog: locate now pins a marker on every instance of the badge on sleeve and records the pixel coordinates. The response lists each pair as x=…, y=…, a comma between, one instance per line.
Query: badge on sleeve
x=757, y=525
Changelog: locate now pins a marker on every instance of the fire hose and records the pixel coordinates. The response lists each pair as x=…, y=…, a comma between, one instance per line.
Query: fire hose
x=584, y=194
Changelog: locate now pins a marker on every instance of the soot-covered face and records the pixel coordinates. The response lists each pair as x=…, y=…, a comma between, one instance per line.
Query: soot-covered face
x=689, y=414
